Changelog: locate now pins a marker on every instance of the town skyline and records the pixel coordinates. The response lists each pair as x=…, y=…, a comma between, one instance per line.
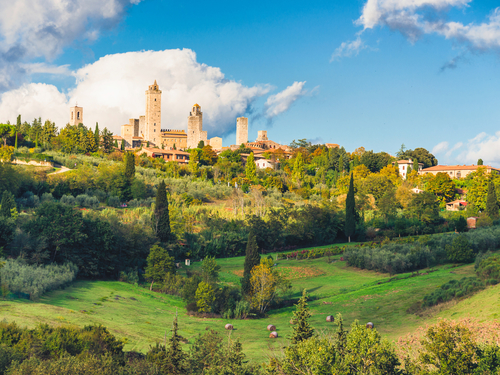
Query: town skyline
x=318, y=72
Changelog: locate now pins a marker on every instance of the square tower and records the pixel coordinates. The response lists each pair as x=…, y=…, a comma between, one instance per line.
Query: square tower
x=195, y=127
x=76, y=115
x=152, y=126
x=241, y=130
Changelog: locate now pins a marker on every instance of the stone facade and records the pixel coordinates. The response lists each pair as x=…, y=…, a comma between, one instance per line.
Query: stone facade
x=152, y=126
x=171, y=138
x=216, y=143
x=76, y=115
x=241, y=130
x=195, y=128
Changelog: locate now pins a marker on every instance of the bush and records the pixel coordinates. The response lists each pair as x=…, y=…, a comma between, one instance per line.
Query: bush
x=113, y=201
x=68, y=200
x=453, y=289
x=489, y=270
x=33, y=280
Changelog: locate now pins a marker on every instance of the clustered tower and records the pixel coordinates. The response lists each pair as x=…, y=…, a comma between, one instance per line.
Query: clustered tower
x=195, y=128
x=241, y=130
x=152, y=126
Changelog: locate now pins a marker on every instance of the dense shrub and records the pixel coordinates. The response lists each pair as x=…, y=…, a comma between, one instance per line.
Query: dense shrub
x=33, y=280
x=453, y=289
x=312, y=253
x=488, y=269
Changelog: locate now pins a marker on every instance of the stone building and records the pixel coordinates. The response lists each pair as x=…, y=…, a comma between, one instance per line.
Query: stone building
x=458, y=171
x=241, y=130
x=152, y=123
x=195, y=128
x=262, y=136
x=76, y=115
x=215, y=143
x=171, y=138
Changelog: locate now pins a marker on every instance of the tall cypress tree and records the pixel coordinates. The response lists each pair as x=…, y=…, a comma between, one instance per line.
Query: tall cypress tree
x=130, y=165
x=122, y=146
x=7, y=204
x=116, y=143
x=350, y=211
x=96, y=135
x=15, y=144
x=252, y=259
x=415, y=165
x=176, y=359
x=302, y=330
x=161, y=214
x=491, y=201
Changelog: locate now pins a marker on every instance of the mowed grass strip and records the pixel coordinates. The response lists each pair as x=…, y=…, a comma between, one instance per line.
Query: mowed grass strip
x=142, y=317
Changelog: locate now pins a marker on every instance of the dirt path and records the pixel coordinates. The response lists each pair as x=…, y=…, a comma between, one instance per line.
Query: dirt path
x=62, y=170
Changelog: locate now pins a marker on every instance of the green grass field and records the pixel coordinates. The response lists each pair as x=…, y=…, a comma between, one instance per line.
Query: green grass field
x=142, y=317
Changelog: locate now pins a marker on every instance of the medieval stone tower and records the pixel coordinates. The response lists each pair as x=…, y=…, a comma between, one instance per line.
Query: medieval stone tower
x=241, y=130
x=195, y=128
x=152, y=120
x=76, y=115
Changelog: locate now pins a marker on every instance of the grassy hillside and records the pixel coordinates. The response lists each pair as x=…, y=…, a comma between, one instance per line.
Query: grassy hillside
x=141, y=317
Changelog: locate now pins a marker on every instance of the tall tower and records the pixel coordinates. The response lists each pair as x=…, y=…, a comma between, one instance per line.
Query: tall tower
x=195, y=128
x=76, y=115
x=152, y=125
x=241, y=130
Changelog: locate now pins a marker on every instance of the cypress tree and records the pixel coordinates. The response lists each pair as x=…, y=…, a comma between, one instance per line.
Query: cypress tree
x=302, y=330
x=130, y=165
x=350, y=211
x=122, y=147
x=36, y=140
x=116, y=143
x=415, y=165
x=161, y=214
x=7, y=204
x=96, y=135
x=15, y=144
x=491, y=201
x=252, y=259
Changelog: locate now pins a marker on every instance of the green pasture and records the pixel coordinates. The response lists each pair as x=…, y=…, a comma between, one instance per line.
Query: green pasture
x=142, y=317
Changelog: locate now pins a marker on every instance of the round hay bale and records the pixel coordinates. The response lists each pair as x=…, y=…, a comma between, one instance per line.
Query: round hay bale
x=271, y=327
x=273, y=335
x=229, y=327
x=370, y=325
x=330, y=318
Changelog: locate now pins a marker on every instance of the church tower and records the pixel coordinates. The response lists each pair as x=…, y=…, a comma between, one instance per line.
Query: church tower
x=76, y=115
x=152, y=123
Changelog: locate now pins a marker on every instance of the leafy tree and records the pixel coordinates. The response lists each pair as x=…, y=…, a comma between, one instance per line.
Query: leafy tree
x=252, y=259
x=6, y=131
x=161, y=214
x=442, y=186
x=375, y=161
x=210, y=270
x=461, y=224
x=201, y=144
x=302, y=330
x=492, y=202
x=422, y=155
x=298, y=169
x=478, y=188
x=301, y=143
x=350, y=211
x=159, y=264
x=263, y=286
x=8, y=204
x=194, y=160
x=208, y=156
x=480, y=162
x=251, y=167
x=107, y=141
x=387, y=205
x=205, y=296
x=460, y=250
x=48, y=132
x=425, y=207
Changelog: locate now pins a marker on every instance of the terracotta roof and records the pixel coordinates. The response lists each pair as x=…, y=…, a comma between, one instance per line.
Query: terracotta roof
x=407, y=162
x=458, y=201
x=457, y=168
x=136, y=137
x=117, y=137
x=332, y=145
x=196, y=105
x=163, y=152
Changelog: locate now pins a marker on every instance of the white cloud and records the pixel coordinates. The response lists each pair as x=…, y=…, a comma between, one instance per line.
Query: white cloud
x=36, y=28
x=457, y=146
x=483, y=146
x=440, y=148
x=111, y=91
x=348, y=49
x=282, y=101
x=414, y=18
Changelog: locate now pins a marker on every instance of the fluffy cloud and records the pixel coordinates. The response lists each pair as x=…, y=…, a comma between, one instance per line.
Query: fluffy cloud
x=414, y=18
x=440, y=148
x=482, y=146
x=111, y=91
x=282, y=101
x=35, y=28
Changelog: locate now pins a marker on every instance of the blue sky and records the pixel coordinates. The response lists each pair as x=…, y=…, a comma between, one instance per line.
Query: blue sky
x=425, y=73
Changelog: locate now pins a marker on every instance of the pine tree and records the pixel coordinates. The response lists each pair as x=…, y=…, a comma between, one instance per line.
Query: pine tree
x=96, y=135
x=7, y=204
x=161, y=214
x=350, y=211
x=176, y=359
x=250, y=168
x=302, y=330
x=252, y=259
x=491, y=201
